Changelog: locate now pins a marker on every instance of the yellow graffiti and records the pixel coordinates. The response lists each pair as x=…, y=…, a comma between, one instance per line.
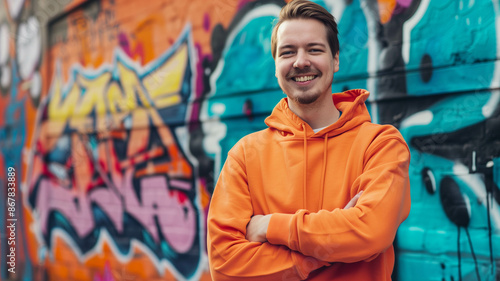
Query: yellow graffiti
x=132, y=86
x=60, y=107
x=105, y=95
x=166, y=81
x=93, y=98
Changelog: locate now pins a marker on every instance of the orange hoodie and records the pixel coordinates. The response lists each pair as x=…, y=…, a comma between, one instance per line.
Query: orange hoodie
x=305, y=179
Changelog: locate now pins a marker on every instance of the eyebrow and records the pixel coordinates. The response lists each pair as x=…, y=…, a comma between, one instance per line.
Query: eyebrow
x=312, y=44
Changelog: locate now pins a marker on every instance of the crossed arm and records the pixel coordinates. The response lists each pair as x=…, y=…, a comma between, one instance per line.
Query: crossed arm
x=257, y=227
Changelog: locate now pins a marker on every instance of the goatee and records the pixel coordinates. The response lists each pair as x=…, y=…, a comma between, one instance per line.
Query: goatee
x=305, y=99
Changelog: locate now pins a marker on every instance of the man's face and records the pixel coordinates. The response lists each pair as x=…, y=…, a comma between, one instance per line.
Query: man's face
x=304, y=61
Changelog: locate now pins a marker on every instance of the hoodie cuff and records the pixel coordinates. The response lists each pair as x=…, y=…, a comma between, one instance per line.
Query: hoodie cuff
x=278, y=230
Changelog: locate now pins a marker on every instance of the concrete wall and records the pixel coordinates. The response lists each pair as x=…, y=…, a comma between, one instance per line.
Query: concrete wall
x=116, y=117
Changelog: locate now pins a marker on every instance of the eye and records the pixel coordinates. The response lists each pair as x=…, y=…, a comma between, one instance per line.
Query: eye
x=316, y=51
x=286, y=53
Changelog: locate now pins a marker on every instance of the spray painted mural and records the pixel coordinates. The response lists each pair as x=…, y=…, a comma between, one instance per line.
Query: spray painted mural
x=117, y=116
x=117, y=162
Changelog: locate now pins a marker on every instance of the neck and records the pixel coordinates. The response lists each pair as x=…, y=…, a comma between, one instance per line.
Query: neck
x=318, y=114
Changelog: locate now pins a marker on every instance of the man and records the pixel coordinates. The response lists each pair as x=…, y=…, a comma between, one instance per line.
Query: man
x=288, y=202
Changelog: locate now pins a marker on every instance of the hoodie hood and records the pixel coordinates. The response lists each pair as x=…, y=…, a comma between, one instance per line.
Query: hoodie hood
x=351, y=103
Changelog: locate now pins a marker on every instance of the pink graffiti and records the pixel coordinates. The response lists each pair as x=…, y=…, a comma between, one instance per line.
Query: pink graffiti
x=106, y=276
x=176, y=217
x=206, y=22
x=175, y=214
x=127, y=48
x=404, y=3
x=75, y=207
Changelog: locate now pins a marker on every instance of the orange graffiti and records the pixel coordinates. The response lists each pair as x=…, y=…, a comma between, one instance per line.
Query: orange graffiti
x=386, y=9
x=148, y=29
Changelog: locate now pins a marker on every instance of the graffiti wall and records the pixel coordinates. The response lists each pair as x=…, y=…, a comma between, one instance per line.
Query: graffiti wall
x=116, y=117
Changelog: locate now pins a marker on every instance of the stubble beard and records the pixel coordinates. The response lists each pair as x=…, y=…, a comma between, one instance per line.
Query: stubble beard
x=305, y=98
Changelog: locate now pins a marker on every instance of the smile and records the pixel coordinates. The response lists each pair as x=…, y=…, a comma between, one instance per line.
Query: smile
x=303, y=78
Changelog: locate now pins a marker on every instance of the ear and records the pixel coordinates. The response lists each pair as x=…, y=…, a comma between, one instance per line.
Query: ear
x=336, y=62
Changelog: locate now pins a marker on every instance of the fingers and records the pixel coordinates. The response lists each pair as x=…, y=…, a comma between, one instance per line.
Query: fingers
x=353, y=201
x=257, y=228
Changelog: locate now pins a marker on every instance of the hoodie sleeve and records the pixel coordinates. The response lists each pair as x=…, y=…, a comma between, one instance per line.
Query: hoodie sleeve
x=364, y=231
x=231, y=256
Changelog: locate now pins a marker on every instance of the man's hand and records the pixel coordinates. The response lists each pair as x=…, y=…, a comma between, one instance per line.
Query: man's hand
x=353, y=201
x=257, y=228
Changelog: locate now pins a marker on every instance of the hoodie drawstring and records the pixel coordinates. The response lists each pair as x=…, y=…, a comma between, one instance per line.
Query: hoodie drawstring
x=323, y=172
x=305, y=167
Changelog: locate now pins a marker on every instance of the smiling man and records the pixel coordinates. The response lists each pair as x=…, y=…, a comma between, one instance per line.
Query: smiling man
x=320, y=194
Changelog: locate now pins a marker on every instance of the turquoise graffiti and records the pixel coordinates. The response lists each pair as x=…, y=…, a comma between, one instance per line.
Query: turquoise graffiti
x=243, y=86
x=12, y=140
x=452, y=232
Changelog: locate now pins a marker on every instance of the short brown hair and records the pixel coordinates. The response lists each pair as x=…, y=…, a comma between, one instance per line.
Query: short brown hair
x=304, y=9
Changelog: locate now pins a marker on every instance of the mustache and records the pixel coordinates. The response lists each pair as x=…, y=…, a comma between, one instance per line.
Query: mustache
x=298, y=72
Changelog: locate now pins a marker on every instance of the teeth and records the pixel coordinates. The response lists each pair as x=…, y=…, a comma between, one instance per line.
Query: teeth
x=304, y=78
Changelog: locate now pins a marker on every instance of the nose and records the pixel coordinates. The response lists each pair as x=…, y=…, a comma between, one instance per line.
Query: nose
x=301, y=60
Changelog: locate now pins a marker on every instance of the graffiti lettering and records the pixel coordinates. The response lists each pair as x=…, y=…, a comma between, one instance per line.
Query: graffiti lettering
x=175, y=214
x=105, y=159
x=104, y=94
